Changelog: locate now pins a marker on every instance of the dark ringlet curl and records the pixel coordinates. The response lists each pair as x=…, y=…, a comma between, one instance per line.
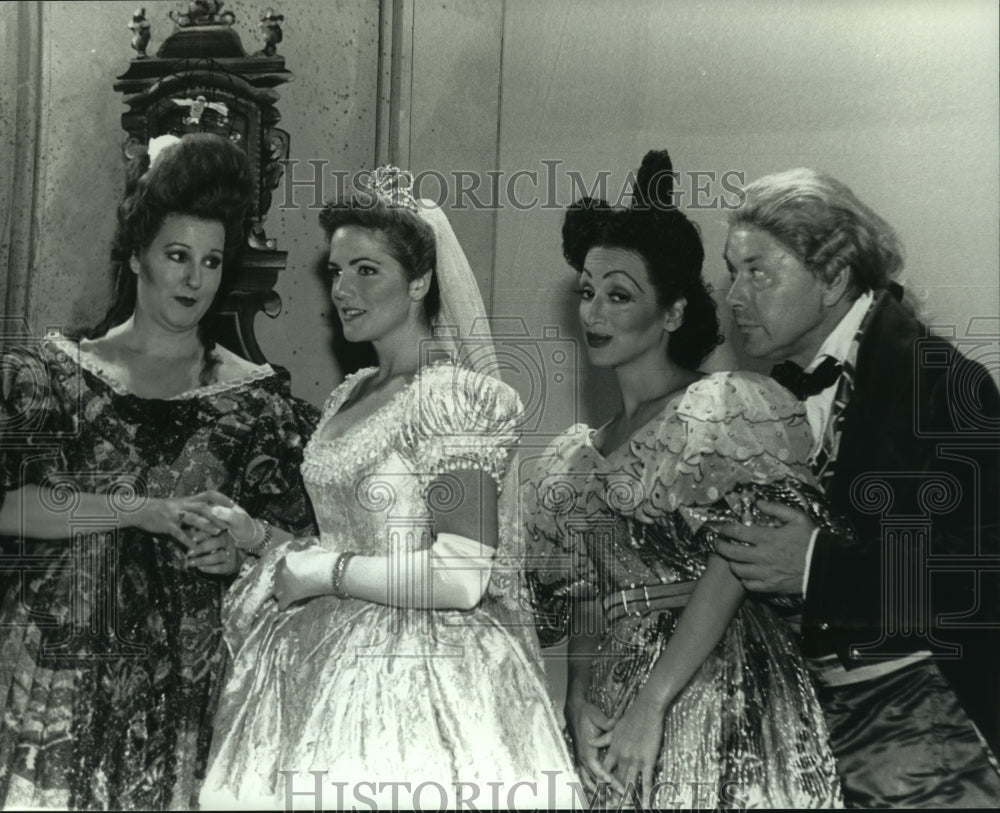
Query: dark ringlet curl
x=669, y=244
x=407, y=237
x=203, y=176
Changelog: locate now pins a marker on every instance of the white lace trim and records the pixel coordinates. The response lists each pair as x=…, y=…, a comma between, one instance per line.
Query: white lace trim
x=326, y=460
x=338, y=395
x=88, y=363
x=726, y=430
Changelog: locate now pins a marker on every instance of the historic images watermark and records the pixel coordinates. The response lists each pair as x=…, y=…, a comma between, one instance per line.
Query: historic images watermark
x=317, y=790
x=311, y=183
x=909, y=505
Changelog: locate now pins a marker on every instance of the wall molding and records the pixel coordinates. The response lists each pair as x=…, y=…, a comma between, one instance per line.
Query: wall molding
x=395, y=83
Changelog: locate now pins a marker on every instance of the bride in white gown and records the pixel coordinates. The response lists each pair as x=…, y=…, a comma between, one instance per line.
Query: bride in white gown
x=393, y=656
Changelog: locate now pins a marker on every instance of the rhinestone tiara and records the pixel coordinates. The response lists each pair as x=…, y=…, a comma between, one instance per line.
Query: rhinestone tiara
x=391, y=185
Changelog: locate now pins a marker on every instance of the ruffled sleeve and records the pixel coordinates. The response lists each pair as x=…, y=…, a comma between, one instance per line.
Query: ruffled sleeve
x=271, y=488
x=459, y=420
x=36, y=417
x=729, y=430
x=271, y=485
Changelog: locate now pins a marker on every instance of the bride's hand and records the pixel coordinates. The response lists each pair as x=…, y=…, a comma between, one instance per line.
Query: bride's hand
x=303, y=574
x=187, y=519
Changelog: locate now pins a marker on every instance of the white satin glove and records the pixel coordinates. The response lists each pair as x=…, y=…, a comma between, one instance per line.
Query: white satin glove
x=452, y=574
x=303, y=574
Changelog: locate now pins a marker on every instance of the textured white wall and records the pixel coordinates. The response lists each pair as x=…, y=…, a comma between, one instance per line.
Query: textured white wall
x=899, y=100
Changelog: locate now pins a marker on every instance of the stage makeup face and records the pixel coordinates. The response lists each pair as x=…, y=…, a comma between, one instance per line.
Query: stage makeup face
x=777, y=301
x=179, y=272
x=620, y=315
x=369, y=288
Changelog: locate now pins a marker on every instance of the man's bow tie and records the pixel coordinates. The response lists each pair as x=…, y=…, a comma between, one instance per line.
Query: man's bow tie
x=791, y=376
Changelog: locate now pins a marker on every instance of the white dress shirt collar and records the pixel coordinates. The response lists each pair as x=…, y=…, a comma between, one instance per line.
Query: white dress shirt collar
x=838, y=343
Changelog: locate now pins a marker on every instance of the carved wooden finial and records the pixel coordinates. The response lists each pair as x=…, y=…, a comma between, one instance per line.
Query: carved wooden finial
x=141, y=31
x=270, y=26
x=203, y=12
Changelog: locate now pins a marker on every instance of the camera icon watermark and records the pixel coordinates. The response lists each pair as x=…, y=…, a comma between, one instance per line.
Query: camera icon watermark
x=970, y=377
x=543, y=369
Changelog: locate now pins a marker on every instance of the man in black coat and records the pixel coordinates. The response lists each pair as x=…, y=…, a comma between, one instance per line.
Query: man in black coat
x=901, y=622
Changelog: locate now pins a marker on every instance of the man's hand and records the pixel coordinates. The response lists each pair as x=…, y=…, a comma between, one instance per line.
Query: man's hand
x=774, y=558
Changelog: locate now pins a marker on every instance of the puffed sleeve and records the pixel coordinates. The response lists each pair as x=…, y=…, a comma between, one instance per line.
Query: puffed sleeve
x=729, y=431
x=270, y=483
x=460, y=419
x=734, y=439
x=36, y=419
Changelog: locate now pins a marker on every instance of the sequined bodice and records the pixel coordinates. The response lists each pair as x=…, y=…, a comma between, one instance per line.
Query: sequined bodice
x=362, y=482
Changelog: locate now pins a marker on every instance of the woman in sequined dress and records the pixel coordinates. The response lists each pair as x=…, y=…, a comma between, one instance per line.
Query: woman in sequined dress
x=680, y=691
x=114, y=448
x=392, y=652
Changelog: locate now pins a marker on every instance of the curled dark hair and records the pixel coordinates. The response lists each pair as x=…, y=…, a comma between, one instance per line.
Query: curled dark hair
x=668, y=243
x=203, y=176
x=408, y=238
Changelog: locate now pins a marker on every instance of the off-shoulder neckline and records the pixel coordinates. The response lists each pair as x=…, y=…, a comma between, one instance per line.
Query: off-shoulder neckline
x=85, y=361
x=673, y=404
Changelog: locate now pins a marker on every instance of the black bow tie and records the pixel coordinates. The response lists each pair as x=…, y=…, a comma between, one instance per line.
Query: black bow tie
x=791, y=376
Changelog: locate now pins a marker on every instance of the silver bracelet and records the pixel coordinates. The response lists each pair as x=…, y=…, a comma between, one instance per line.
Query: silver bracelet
x=261, y=546
x=337, y=575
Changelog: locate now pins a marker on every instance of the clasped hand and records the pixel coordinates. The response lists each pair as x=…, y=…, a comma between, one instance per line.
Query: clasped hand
x=299, y=575
x=632, y=741
x=192, y=522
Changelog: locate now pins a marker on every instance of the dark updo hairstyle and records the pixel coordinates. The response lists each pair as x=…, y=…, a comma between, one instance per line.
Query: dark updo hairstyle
x=203, y=176
x=668, y=243
x=407, y=237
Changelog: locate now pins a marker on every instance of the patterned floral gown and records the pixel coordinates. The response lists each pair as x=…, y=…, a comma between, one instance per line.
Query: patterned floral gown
x=372, y=694
x=111, y=654
x=627, y=530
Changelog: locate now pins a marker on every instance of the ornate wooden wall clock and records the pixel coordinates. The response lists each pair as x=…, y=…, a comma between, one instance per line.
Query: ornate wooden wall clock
x=202, y=80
